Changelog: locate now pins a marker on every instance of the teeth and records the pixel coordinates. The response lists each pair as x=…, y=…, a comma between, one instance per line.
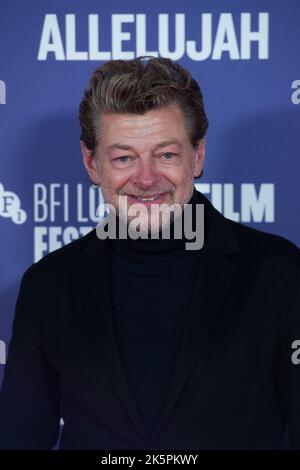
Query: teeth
x=147, y=198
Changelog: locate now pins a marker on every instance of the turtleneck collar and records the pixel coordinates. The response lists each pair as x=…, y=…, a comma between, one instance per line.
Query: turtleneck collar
x=153, y=250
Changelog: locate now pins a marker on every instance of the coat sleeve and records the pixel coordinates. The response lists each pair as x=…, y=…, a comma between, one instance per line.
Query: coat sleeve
x=29, y=397
x=288, y=370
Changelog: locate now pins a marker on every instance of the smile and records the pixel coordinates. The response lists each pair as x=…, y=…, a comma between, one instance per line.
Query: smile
x=156, y=197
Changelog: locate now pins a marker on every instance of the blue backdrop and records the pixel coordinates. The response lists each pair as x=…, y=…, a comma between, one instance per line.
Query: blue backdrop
x=245, y=56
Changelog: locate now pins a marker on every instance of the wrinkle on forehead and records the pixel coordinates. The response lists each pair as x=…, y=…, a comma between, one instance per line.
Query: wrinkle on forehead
x=155, y=126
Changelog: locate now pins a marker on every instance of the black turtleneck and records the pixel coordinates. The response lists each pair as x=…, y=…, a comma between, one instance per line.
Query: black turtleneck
x=152, y=280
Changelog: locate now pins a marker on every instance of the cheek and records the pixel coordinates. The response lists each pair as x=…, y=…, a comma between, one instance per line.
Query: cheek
x=180, y=175
x=113, y=179
x=184, y=181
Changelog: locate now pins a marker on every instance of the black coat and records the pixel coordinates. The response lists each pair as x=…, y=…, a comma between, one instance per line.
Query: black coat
x=234, y=385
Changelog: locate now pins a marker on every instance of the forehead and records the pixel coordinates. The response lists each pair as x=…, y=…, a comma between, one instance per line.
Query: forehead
x=165, y=124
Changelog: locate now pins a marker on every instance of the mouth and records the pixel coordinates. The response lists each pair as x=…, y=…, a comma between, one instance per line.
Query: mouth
x=157, y=198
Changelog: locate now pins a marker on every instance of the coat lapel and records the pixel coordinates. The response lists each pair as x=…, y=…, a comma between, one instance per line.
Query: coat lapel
x=213, y=280
x=96, y=285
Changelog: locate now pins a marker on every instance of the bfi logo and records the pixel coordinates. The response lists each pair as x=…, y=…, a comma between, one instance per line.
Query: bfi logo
x=2, y=92
x=10, y=206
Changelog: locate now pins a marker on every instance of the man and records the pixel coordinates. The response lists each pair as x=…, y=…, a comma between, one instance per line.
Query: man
x=141, y=343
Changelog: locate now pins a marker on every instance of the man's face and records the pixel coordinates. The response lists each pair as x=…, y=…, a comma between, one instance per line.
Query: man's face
x=148, y=158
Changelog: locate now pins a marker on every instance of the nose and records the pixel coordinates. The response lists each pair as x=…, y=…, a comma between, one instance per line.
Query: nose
x=146, y=175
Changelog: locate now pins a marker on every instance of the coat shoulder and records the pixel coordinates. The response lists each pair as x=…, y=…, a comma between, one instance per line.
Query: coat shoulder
x=62, y=261
x=250, y=242
x=265, y=245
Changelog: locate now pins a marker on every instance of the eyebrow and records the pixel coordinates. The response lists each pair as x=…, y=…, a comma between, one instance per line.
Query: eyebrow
x=157, y=146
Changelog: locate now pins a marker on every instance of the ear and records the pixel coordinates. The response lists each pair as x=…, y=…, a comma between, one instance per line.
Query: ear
x=90, y=163
x=199, y=157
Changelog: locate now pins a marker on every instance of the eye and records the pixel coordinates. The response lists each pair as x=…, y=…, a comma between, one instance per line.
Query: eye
x=168, y=156
x=123, y=159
